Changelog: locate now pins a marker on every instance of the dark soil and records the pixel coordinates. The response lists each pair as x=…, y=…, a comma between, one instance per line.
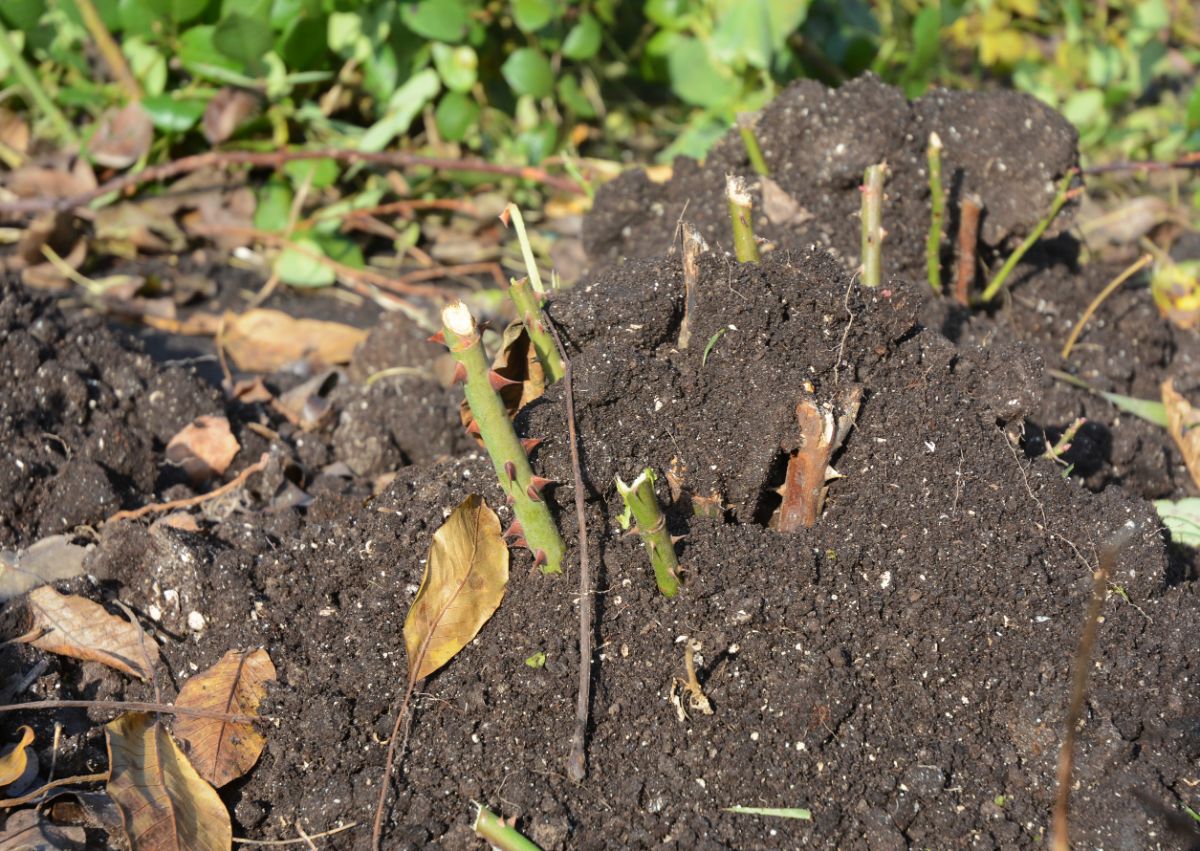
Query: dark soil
x=901, y=668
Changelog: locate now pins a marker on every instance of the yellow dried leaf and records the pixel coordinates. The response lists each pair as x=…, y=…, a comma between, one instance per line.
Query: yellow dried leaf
x=264, y=340
x=204, y=448
x=221, y=750
x=1183, y=423
x=12, y=764
x=165, y=805
x=77, y=627
x=464, y=582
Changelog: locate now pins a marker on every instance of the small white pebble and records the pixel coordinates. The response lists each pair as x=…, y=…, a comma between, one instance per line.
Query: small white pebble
x=155, y=612
x=196, y=622
x=754, y=737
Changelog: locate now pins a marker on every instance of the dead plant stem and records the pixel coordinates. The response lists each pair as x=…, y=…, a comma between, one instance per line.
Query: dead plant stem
x=1129, y=272
x=134, y=706
x=968, y=241
x=109, y=49
x=159, y=507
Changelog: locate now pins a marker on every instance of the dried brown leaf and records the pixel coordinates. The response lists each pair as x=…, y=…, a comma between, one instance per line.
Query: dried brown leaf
x=221, y=750
x=228, y=110
x=14, y=131
x=33, y=181
x=27, y=829
x=780, y=208
x=135, y=226
x=165, y=805
x=204, y=448
x=1183, y=423
x=264, y=340
x=122, y=137
x=77, y=627
x=464, y=582
x=47, y=560
x=14, y=762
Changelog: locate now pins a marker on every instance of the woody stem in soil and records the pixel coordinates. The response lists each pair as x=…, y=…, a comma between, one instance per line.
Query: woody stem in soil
x=534, y=523
x=741, y=217
x=1060, y=200
x=872, y=225
x=529, y=309
x=937, y=204
x=968, y=239
x=642, y=504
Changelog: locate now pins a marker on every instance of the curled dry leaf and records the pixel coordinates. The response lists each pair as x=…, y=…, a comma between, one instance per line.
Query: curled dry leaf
x=780, y=208
x=264, y=340
x=77, y=627
x=222, y=750
x=464, y=582
x=1183, y=423
x=14, y=762
x=45, y=561
x=165, y=805
x=228, y=110
x=28, y=829
x=204, y=448
x=14, y=132
x=122, y=137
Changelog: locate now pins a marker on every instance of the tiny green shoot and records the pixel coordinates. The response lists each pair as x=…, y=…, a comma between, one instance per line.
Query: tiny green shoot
x=712, y=341
x=513, y=213
x=1148, y=409
x=537, y=660
x=1060, y=200
x=774, y=812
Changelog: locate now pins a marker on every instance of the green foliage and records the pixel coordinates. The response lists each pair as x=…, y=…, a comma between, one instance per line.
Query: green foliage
x=519, y=80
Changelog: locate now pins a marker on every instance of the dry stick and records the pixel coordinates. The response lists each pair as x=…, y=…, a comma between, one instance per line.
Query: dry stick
x=1129, y=272
x=159, y=507
x=135, y=706
x=275, y=159
x=577, y=760
x=693, y=245
x=1187, y=161
x=305, y=839
x=1060, y=840
x=968, y=239
x=108, y=48
x=405, y=207
x=29, y=798
x=806, y=469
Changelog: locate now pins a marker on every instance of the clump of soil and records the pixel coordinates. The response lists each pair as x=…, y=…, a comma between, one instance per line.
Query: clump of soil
x=901, y=668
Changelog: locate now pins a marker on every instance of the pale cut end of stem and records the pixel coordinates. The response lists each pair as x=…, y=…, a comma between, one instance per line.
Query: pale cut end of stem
x=736, y=191
x=935, y=141
x=457, y=317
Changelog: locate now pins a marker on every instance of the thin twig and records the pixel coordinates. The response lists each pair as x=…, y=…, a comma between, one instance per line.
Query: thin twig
x=109, y=50
x=8, y=803
x=405, y=207
x=159, y=507
x=1129, y=272
x=577, y=760
x=1060, y=840
x=240, y=841
x=275, y=159
x=134, y=706
x=1187, y=161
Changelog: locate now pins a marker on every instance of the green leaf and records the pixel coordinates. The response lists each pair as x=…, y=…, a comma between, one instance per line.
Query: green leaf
x=537, y=660
x=1151, y=411
x=23, y=15
x=696, y=78
x=199, y=55
x=340, y=249
x=173, y=115
x=245, y=40
x=531, y=15
x=457, y=66
x=538, y=142
x=666, y=13
x=302, y=45
x=344, y=35
x=528, y=72
x=437, y=20
x=1182, y=518
x=570, y=95
x=324, y=172
x=456, y=114
x=743, y=34
x=405, y=105
x=786, y=18
x=274, y=206
x=183, y=11
x=147, y=64
x=1193, y=110
x=583, y=41
x=777, y=812
x=300, y=269
x=926, y=31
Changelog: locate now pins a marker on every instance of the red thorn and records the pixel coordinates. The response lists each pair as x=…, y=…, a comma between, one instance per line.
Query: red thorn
x=505, y=217
x=510, y=470
x=514, y=530
x=675, y=539
x=439, y=338
x=521, y=542
x=539, y=483
x=533, y=494
x=498, y=381
x=473, y=428
x=460, y=373
x=530, y=443
x=539, y=558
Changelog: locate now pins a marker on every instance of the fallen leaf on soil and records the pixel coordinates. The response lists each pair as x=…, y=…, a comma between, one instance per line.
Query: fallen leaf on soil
x=1182, y=519
x=1183, y=423
x=307, y=405
x=1176, y=290
x=515, y=360
x=228, y=110
x=132, y=227
x=14, y=762
x=780, y=208
x=179, y=520
x=221, y=750
x=122, y=137
x=27, y=829
x=464, y=582
x=47, y=560
x=77, y=627
x=164, y=803
x=14, y=132
x=264, y=340
x=32, y=181
x=204, y=448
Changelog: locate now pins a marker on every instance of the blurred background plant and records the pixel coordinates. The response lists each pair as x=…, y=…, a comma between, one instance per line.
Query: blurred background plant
x=524, y=80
